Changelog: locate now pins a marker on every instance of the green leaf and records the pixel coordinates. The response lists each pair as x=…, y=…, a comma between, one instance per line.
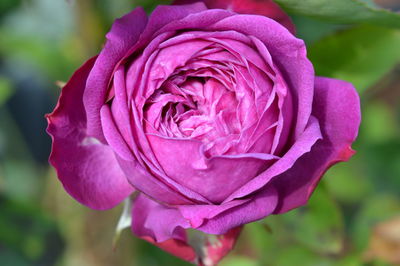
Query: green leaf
x=379, y=123
x=27, y=235
x=381, y=164
x=342, y=11
x=311, y=30
x=375, y=209
x=7, y=5
x=150, y=5
x=259, y=238
x=347, y=183
x=318, y=225
x=5, y=90
x=296, y=255
x=350, y=260
x=361, y=55
x=238, y=261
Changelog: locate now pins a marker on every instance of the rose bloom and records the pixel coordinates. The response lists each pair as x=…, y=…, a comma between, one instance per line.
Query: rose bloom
x=210, y=113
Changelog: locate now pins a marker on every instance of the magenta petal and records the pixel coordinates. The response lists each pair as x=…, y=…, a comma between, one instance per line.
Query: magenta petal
x=290, y=57
x=88, y=169
x=161, y=18
x=183, y=161
x=198, y=214
x=164, y=227
x=303, y=145
x=265, y=7
x=150, y=185
x=123, y=35
x=261, y=205
x=216, y=251
x=147, y=216
x=337, y=107
x=176, y=247
x=112, y=134
x=120, y=107
x=165, y=14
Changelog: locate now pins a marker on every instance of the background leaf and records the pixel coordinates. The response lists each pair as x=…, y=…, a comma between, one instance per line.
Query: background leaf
x=5, y=90
x=342, y=11
x=375, y=209
x=319, y=225
x=360, y=55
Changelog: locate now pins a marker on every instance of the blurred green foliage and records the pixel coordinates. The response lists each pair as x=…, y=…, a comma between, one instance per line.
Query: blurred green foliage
x=43, y=41
x=350, y=55
x=343, y=11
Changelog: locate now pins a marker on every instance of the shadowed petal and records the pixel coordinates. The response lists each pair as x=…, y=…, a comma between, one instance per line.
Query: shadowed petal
x=337, y=107
x=88, y=169
x=261, y=205
x=164, y=227
x=150, y=185
x=123, y=35
x=147, y=216
x=303, y=145
x=264, y=7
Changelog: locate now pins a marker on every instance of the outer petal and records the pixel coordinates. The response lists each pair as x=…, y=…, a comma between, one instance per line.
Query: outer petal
x=123, y=35
x=147, y=216
x=176, y=247
x=264, y=7
x=217, y=250
x=218, y=219
x=88, y=170
x=145, y=182
x=163, y=227
x=302, y=146
x=337, y=107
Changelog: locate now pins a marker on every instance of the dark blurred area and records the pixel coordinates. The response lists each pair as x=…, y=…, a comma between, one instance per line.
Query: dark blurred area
x=352, y=219
x=389, y=4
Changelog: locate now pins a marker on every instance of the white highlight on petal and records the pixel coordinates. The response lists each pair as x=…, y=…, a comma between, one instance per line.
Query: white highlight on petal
x=90, y=141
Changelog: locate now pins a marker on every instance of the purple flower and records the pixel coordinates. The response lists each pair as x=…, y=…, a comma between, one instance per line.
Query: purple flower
x=215, y=117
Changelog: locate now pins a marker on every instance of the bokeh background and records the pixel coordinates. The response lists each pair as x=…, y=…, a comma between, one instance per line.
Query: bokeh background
x=353, y=217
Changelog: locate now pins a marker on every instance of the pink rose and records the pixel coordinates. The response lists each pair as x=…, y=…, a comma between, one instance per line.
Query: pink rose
x=215, y=118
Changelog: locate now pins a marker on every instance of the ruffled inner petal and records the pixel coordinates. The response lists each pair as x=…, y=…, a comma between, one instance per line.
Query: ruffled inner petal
x=209, y=91
x=212, y=90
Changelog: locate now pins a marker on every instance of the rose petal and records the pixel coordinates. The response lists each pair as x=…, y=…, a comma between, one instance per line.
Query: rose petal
x=147, y=215
x=112, y=134
x=302, y=146
x=264, y=7
x=164, y=15
x=170, y=236
x=155, y=32
x=172, y=18
x=199, y=214
x=217, y=250
x=261, y=205
x=116, y=120
x=145, y=182
x=289, y=54
x=124, y=34
x=337, y=107
x=176, y=247
x=183, y=161
x=120, y=107
x=87, y=168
